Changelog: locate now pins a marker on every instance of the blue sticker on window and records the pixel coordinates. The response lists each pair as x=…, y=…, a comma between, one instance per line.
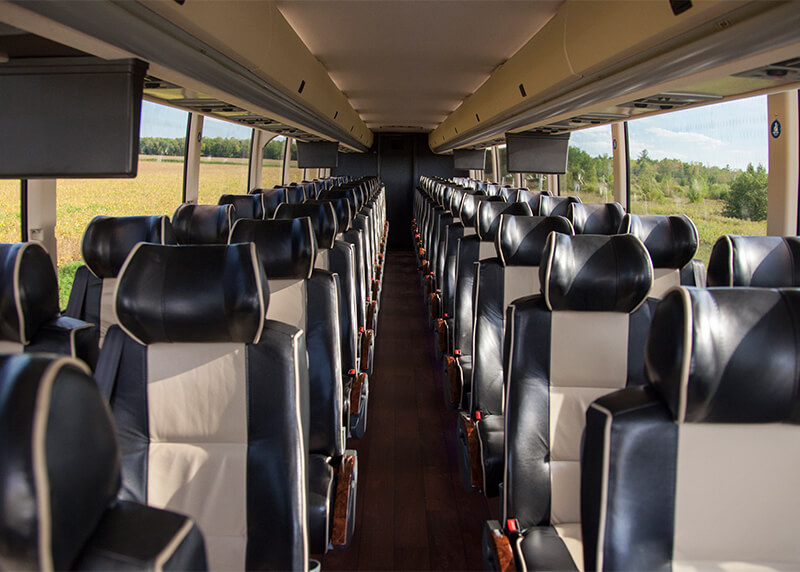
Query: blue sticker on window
x=614, y=143
x=775, y=129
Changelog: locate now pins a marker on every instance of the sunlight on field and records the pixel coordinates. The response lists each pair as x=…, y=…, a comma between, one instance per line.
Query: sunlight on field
x=9, y=212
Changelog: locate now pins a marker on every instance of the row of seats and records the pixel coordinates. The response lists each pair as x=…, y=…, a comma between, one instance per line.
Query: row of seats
x=568, y=332
x=225, y=360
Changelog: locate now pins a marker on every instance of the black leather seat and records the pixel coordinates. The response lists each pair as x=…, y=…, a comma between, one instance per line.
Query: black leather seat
x=532, y=198
x=761, y=261
x=307, y=298
x=596, y=218
x=105, y=246
x=59, y=477
x=337, y=256
x=582, y=338
x=246, y=206
x=203, y=224
x=672, y=242
x=555, y=206
x=473, y=249
x=699, y=470
x=512, y=274
x=30, y=320
x=210, y=400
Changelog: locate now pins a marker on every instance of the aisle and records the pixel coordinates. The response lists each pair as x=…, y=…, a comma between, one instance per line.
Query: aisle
x=412, y=513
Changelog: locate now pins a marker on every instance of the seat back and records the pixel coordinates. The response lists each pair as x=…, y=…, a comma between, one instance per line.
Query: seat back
x=270, y=199
x=663, y=464
x=762, y=261
x=582, y=338
x=672, y=242
x=308, y=299
x=210, y=400
x=106, y=244
x=511, y=274
x=246, y=206
x=596, y=218
x=203, y=224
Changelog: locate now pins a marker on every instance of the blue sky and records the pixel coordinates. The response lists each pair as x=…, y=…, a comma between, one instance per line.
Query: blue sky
x=734, y=133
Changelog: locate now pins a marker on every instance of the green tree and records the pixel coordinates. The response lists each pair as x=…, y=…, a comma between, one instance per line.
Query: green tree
x=747, y=198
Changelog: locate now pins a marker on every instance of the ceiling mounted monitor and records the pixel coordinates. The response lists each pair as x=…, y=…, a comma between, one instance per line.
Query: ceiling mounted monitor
x=317, y=154
x=469, y=159
x=537, y=153
x=70, y=117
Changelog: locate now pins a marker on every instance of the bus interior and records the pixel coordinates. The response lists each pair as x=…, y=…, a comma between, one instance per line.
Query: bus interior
x=400, y=285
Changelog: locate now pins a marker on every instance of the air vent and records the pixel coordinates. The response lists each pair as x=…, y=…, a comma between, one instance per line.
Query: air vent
x=788, y=70
x=670, y=100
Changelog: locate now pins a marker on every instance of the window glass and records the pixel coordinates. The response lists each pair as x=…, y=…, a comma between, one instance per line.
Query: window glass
x=505, y=177
x=272, y=162
x=709, y=163
x=157, y=188
x=590, y=165
x=224, y=157
x=295, y=174
x=10, y=223
x=488, y=172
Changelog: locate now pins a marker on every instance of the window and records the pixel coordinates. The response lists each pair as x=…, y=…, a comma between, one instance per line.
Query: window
x=272, y=162
x=295, y=174
x=10, y=223
x=505, y=177
x=695, y=161
x=590, y=165
x=157, y=188
x=224, y=158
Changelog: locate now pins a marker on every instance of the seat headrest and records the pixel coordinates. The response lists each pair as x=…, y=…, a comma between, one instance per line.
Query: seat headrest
x=270, y=199
x=348, y=193
x=764, y=261
x=509, y=194
x=203, y=224
x=555, y=206
x=488, y=217
x=727, y=355
x=532, y=198
x=671, y=240
x=108, y=240
x=195, y=294
x=286, y=248
x=521, y=239
x=59, y=463
x=29, y=291
x=294, y=193
x=341, y=207
x=247, y=206
x=322, y=215
x=596, y=218
x=595, y=273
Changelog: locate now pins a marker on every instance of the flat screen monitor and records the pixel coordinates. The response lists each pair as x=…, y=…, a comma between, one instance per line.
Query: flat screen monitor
x=469, y=159
x=317, y=154
x=537, y=153
x=70, y=117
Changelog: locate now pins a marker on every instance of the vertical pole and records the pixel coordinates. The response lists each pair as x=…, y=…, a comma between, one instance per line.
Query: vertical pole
x=783, y=167
x=41, y=215
x=287, y=158
x=552, y=184
x=23, y=209
x=620, y=165
x=191, y=165
x=495, y=164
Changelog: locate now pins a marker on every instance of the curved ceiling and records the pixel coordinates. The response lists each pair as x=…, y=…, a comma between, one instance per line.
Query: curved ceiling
x=405, y=65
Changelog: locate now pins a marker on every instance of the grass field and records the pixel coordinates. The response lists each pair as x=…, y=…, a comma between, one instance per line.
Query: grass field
x=158, y=189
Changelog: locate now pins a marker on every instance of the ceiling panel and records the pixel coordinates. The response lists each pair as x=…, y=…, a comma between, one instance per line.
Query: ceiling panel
x=408, y=63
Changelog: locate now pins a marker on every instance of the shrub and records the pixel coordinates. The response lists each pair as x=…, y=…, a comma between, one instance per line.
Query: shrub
x=747, y=198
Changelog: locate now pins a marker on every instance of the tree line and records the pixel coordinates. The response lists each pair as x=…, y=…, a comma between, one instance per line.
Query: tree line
x=744, y=193
x=227, y=147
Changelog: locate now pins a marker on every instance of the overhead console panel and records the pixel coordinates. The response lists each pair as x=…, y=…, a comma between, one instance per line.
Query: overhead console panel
x=615, y=60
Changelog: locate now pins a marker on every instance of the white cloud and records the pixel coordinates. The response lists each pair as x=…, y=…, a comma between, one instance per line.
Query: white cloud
x=684, y=137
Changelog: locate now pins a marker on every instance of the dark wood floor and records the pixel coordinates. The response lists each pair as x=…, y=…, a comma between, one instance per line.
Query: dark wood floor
x=412, y=512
